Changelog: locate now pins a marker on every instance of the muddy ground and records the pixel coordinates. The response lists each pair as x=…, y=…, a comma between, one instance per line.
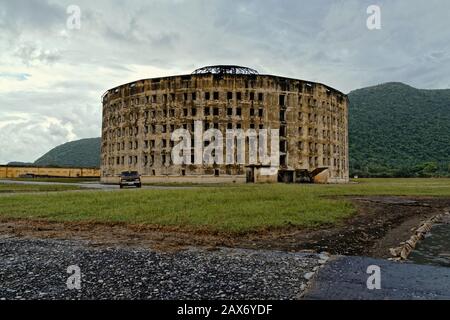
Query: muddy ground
x=381, y=223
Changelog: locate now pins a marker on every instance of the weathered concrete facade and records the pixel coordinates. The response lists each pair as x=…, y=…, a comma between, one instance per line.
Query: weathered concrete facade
x=16, y=172
x=139, y=117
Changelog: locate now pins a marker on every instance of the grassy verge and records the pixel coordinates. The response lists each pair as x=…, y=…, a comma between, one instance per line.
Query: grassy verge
x=391, y=186
x=20, y=188
x=236, y=208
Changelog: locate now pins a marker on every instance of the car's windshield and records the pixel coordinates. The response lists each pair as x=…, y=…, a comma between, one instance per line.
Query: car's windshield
x=129, y=174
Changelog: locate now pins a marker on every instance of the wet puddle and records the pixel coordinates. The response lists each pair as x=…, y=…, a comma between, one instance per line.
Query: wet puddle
x=435, y=248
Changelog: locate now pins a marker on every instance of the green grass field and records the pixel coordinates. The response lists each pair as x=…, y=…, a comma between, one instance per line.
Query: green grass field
x=235, y=208
x=20, y=188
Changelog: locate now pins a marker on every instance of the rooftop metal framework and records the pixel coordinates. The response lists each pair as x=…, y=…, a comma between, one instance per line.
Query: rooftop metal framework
x=225, y=69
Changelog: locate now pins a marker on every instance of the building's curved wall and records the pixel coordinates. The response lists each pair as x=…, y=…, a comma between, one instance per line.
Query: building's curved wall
x=138, y=119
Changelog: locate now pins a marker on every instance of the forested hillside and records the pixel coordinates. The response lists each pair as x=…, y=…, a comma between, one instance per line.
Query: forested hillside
x=81, y=153
x=397, y=130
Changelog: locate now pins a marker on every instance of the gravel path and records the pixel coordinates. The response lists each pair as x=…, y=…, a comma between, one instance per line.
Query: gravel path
x=37, y=269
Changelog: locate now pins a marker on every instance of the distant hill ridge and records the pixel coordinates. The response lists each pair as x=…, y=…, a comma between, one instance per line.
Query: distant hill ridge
x=80, y=153
x=394, y=130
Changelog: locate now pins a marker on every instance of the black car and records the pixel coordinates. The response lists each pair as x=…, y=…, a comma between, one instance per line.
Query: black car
x=130, y=178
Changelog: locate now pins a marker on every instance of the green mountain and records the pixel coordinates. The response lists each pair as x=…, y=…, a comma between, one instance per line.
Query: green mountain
x=81, y=153
x=397, y=130
x=394, y=130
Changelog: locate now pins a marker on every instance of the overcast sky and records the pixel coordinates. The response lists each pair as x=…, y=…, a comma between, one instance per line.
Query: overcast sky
x=52, y=77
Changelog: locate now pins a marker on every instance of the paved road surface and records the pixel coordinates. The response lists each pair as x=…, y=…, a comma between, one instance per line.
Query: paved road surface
x=90, y=185
x=346, y=278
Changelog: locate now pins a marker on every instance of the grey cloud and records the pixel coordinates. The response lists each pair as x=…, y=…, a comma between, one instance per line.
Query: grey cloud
x=322, y=40
x=16, y=76
x=29, y=139
x=29, y=53
x=30, y=14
